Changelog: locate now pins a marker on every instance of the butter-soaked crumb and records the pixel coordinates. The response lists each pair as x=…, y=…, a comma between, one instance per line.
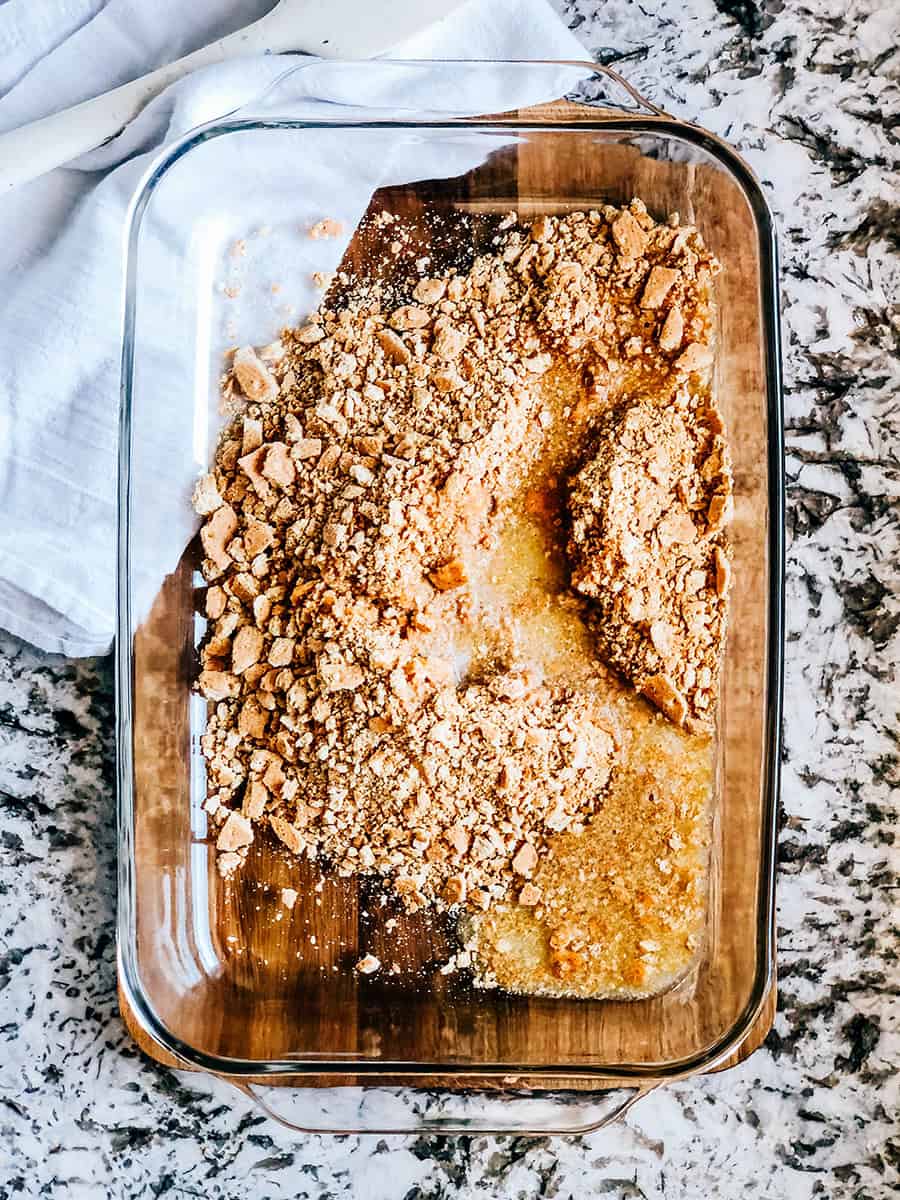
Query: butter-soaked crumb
x=645, y=550
x=618, y=910
x=362, y=706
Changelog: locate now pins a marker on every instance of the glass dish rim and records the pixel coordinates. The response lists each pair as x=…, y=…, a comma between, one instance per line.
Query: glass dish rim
x=607, y=1074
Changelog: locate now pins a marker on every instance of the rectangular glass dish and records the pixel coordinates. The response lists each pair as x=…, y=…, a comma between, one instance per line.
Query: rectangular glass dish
x=223, y=979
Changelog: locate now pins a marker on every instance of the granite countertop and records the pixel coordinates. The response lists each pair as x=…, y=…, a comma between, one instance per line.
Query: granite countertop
x=807, y=93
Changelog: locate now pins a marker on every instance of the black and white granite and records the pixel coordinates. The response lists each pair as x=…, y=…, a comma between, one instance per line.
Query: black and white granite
x=811, y=95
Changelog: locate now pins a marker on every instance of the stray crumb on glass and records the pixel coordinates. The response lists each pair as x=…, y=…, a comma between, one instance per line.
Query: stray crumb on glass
x=327, y=228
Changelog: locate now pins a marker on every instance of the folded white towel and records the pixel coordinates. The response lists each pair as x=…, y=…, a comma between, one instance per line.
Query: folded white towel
x=61, y=259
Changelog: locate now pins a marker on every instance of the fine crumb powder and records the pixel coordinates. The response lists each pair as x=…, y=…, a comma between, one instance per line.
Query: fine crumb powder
x=443, y=509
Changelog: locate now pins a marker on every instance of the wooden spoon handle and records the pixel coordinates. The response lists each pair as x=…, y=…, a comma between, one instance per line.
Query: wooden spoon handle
x=34, y=149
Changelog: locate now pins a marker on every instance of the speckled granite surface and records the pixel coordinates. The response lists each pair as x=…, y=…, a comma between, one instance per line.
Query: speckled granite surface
x=811, y=95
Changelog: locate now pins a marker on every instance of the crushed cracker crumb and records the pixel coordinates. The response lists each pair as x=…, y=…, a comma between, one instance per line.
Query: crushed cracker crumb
x=376, y=698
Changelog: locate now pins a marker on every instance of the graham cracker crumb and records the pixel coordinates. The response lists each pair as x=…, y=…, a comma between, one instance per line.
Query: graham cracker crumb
x=326, y=228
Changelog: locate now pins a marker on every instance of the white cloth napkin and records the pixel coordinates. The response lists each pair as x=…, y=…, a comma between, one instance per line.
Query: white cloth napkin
x=61, y=257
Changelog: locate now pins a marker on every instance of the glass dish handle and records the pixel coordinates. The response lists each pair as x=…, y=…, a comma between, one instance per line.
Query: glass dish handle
x=379, y=1110
x=638, y=97
x=393, y=77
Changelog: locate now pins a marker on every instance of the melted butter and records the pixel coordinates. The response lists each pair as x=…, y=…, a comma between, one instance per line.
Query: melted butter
x=636, y=876
x=523, y=612
x=625, y=902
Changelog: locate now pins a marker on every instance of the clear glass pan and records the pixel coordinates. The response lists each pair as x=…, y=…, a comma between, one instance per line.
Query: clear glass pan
x=215, y=257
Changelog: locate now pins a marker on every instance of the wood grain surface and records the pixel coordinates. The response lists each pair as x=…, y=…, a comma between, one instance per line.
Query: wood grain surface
x=754, y=1039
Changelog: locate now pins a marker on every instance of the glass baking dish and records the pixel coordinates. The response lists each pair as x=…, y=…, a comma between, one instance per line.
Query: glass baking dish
x=213, y=976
